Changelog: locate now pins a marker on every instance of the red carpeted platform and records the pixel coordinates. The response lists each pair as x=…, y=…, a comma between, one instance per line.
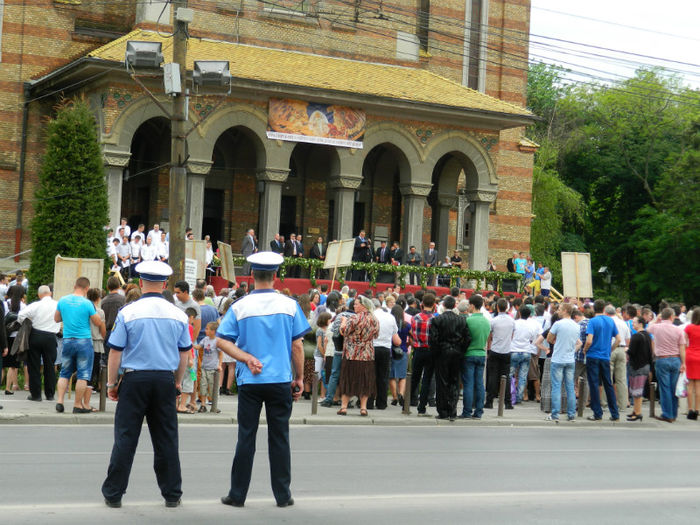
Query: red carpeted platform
x=299, y=286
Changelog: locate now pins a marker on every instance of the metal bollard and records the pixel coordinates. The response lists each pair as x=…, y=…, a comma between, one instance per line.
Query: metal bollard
x=314, y=395
x=407, y=396
x=652, y=399
x=581, y=396
x=103, y=388
x=215, y=393
x=501, y=396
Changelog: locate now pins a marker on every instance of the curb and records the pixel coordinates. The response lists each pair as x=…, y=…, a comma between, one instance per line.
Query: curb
x=351, y=420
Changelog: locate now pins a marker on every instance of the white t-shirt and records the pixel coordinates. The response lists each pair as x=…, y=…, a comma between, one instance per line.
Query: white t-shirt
x=622, y=329
x=387, y=328
x=568, y=333
x=546, y=281
x=524, y=336
x=155, y=237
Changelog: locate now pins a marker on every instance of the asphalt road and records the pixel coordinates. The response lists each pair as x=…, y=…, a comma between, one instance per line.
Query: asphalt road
x=347, y=474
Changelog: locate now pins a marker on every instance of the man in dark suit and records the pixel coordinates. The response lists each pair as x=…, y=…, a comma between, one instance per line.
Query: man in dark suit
x=276, y=245
x=413, y=259
x=361, y=253
x=396, y=258
x=291, y=250
x=318, y=252
x=430, y=260
x=248, y=247
x=381, y=256
x=300, y=253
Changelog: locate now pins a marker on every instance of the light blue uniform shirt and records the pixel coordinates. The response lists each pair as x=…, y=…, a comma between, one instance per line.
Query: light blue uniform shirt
x=264, y=324
x=75, y=313
x=151, y=332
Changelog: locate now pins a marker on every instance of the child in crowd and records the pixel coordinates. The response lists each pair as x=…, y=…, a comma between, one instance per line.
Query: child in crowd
x=322, y=323
x=211, y=362
x=190, y=377
x=94, y=295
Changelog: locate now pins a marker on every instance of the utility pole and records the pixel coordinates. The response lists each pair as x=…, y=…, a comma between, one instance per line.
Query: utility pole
x=178, y=159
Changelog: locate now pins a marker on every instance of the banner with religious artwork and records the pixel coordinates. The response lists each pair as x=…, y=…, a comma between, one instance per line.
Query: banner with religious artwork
x=298, y=121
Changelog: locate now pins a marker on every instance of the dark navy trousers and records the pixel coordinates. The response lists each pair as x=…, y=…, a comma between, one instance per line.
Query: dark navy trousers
x=277, y=398
x=150, y=394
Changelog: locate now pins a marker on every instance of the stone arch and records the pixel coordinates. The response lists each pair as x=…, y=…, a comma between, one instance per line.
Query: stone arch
x=465, y=148
x=129, y=120
x=394, y=136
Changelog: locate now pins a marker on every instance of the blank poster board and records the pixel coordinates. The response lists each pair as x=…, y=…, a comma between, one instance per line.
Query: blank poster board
x=339, y=254
x=576, y=274
x=66, y=270
x=197, y=250
x=226, y=256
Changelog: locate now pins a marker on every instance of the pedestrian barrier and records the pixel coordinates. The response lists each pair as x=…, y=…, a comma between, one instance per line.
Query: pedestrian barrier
x=582, y=397
x=407, y=396
x=215, y=394
x=652, y=400
x=314, y=395
x=103, y=388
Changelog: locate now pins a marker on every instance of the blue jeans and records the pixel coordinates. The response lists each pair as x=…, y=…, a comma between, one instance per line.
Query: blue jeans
x=667, y=372
x=335, y=377
x=77, y=355
x=597, y=370
x=473, y=381
x=565, y=370
x=519, y=367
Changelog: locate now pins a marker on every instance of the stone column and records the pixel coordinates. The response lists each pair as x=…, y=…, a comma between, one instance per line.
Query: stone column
x=445, y=203
x=115, y=162
x=271, y=203
x=479, y=228
x=196, y=178
x=344, y=188
x=414, y=199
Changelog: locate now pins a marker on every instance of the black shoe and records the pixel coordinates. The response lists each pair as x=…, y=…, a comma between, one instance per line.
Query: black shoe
x=227, y=500
x=32, y=398
x=614, y=419
x=9, y=393
x=49, y=398
x=635, y=417
x=395, y=402
x=401, y=400
x=306, y=395
x=693, y=414
x=172, y=504
x=114, y=504
x=462, y=416
x=509, y=407
x=431, y=404
x=441, y=417
x=287, y=503
x=452, y=418
x=326, y=404
x=59, y=408
x=593, y=418
x=77, y=410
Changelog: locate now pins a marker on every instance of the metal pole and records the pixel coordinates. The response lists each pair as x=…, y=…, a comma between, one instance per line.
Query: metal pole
x=103, y=388
x=215, y=393
x=178, y=160
x=314, y=395
x=652, y=399
x=501, y=396
x=581, y=396
x=407, y=387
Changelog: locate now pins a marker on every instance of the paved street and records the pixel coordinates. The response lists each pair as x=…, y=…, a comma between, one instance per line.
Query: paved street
x=376, y=474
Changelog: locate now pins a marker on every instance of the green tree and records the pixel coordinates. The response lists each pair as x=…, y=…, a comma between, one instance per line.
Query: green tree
x=71, y=198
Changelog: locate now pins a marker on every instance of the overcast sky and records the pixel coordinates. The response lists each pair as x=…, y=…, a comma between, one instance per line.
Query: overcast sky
x=665, y=29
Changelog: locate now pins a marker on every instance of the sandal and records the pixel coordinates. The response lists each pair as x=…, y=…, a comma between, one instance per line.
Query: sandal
x=342, y=412
x=202, y=409
x=363, y=411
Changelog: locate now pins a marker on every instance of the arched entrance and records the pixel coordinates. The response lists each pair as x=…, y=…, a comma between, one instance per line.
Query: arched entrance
x=146, y=179
x=231, y=198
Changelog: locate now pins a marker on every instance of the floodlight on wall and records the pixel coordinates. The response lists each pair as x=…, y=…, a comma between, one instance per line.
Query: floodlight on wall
x=211, y=77
x=143, y=55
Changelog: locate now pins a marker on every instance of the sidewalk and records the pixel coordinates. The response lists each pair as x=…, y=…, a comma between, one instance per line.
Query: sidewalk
x=18, y=410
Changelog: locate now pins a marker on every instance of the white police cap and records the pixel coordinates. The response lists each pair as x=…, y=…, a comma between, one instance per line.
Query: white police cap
x=268, y=261
x=156, y=271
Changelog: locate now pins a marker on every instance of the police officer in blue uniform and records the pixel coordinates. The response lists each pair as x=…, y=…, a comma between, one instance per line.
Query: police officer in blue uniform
x=263, y=331
x=150, y=341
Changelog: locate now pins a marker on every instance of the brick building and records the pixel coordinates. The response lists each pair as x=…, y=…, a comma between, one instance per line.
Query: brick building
x=440, y=87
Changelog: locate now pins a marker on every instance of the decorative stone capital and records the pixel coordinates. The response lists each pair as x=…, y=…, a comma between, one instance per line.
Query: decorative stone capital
x=199, y=167
x=347, y=182
x=273, y=175
x=481, y=196
x=115, y=158
x=416, y=188
x=448, y=200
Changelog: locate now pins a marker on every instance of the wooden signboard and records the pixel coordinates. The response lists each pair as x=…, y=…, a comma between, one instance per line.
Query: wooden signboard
x=226, y=256
x=66, y=270
x=197, y=250
x=576, y=274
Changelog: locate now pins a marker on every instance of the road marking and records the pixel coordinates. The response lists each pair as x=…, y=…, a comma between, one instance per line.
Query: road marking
x=413, y=498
